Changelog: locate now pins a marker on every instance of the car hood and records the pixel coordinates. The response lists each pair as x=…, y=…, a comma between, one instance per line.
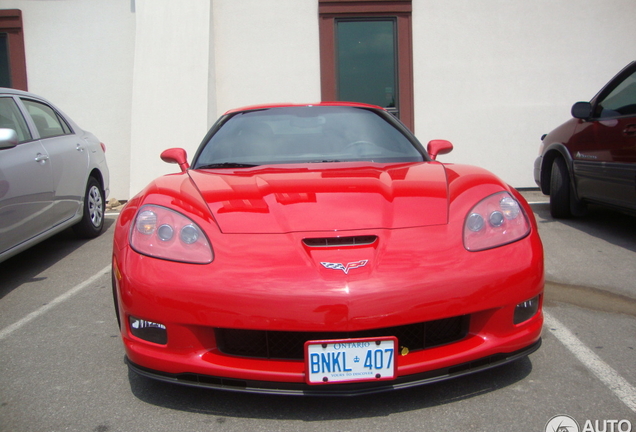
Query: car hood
x=325, y=197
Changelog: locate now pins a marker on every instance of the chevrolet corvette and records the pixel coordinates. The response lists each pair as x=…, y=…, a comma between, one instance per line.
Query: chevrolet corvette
x=323, y=250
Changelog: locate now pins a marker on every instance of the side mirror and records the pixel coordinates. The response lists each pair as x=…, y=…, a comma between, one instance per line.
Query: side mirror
x=438, y=147
x=582, y=110
x=8, y=138
x=176, y=155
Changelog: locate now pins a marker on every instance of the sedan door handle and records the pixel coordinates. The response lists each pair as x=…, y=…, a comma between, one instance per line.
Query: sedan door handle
x=41, y=158
x=630, y=130
x=79, y=148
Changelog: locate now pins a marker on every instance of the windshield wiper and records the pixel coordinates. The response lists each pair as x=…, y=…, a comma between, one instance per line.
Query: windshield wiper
x=227, y=165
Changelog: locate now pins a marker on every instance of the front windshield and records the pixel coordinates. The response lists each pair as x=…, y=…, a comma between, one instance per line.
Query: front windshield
x=305, y=135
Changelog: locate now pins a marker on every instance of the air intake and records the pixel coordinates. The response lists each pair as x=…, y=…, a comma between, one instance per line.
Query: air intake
x=340, y=241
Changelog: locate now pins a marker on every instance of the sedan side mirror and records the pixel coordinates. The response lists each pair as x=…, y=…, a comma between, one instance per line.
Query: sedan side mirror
x=8, y=138
x=438, y=147
x=582, y=110
x=176, y=155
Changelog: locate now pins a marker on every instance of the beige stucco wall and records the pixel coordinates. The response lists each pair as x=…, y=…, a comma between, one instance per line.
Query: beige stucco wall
x=145, y=75
x=79, y=54
x=171, y=84
x=225, y=54
x=266, y=51
x=492, y=76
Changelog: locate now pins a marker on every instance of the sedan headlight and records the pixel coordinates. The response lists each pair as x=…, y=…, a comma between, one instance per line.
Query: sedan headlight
x=495, y=221
x=163, y=233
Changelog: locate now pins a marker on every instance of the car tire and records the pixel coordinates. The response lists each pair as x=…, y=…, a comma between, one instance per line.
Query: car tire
x=92, y=221
x=560, y=190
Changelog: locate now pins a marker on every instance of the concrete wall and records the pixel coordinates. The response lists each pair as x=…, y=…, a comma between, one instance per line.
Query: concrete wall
x=171, y=84
x=145, y=75
x=79, y=54
x=492, y=76
x=266, y=51
x=195, y=60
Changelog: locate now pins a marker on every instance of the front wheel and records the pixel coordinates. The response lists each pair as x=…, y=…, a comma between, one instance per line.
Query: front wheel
x=92, y=221
x=560, y=190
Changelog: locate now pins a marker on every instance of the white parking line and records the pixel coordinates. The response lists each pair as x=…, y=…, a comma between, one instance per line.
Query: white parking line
x=621, y=388
x=68, y=294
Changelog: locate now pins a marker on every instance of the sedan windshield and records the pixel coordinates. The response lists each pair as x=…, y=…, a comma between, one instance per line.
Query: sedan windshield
x=305, y=135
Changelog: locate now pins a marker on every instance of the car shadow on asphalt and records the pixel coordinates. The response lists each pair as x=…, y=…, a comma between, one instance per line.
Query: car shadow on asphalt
x=225, y=404
x=612, y=226
x=27, y=265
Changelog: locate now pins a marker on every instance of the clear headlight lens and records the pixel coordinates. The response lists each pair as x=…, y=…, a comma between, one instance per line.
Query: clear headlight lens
x=165, y=232
x=510, y=207
x=475, y=222
x=153, y=234
x=146, y=222
x=495, y=221
x=189, y=234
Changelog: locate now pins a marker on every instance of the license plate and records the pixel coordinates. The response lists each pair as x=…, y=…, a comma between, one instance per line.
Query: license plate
x=350, y=360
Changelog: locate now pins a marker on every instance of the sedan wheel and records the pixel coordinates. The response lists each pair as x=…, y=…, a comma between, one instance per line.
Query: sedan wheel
x=92, y=221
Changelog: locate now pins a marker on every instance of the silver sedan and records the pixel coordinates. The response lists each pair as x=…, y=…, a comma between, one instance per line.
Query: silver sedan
x=53, y=174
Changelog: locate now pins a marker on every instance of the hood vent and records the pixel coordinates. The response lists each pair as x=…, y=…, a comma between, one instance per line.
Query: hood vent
x=340, y=241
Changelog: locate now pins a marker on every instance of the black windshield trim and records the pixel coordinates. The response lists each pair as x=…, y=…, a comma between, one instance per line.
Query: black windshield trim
x=227, y=165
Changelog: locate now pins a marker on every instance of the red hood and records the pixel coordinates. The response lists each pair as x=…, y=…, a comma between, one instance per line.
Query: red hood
x=326, y=198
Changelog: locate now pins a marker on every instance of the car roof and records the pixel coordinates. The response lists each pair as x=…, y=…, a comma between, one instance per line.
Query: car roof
x=15, y=92
x=292, y=105
x=6, y=90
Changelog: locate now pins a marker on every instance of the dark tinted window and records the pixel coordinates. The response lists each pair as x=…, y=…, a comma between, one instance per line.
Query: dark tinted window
x=367, y=61
x=622, y=100
x=307, y=134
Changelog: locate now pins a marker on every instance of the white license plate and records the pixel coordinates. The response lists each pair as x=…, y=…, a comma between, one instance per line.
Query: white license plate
x=350, y=360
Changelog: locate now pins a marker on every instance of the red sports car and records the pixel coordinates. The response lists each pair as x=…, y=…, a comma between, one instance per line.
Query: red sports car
x=321, y=249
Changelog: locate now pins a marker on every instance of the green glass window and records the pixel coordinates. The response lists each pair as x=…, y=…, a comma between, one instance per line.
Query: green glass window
x=367, y=61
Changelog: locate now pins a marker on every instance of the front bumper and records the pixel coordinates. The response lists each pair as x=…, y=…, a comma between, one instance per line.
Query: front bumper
x=479, y=287
x=268, y=387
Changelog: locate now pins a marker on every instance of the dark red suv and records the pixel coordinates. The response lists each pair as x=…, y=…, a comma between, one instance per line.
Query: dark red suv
x=592, y=157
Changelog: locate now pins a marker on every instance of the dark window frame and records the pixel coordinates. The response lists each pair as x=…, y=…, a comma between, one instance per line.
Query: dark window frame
x=331, y=10
x=11, y=24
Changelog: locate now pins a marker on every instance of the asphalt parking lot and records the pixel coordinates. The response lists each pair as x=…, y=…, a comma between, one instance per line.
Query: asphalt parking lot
x=62, y=363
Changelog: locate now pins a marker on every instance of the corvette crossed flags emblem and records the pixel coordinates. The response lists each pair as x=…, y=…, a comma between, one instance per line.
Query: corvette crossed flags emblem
x=344, y=268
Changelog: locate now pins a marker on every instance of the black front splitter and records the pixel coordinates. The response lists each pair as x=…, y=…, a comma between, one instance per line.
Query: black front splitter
x=351, y=389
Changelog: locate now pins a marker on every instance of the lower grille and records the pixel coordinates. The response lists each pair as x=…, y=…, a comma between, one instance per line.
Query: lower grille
x=285, y=345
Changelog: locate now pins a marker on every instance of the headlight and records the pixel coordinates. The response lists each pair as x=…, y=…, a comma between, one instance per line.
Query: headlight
x=495, y=221
x=163, y=233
